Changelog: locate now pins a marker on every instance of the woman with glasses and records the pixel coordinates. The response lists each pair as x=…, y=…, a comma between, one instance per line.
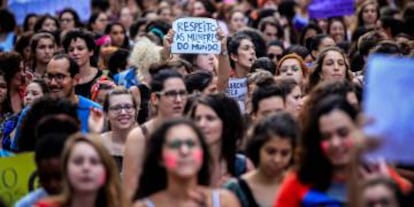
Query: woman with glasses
x=121, y=110
x=176, y=170
x=168, y=98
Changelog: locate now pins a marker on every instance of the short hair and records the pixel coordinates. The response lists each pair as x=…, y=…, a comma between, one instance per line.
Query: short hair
x=43, y=149
x=81, y=34
x=233, y=44
x=73, y=65
x=282, y=125
x=198, y=81
x=264, y=63
x=264, y=92
x=157, y=83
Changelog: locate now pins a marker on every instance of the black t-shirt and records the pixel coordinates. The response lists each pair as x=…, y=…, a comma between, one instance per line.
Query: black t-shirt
x=85, y=88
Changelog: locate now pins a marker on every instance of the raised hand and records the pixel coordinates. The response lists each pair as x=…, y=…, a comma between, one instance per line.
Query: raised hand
x=96, y=120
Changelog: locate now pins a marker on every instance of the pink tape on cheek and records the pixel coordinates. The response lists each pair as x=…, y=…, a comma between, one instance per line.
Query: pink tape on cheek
x=102, y=179
x=325, y=147
x=198, y=156
x=170, y=160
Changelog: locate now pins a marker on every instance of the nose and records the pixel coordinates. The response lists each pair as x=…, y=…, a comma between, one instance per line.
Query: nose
x=335, y=141
x=184, y=149
x=52, y=82
x=277, y=158
x=336, y=66
x=201, y=123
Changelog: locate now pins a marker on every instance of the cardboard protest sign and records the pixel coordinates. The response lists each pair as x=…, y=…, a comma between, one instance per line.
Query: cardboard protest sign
x=21, y=8
x=322, y=9
x=389, y=101
x=17, y=177
x=195, y=36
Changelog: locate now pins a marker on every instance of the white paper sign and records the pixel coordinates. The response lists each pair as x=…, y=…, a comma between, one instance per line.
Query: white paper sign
x=389, y=100
x=195, y=36
x=237, y=89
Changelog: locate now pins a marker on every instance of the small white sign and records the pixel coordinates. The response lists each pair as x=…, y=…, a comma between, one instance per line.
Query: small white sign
x=195, y=36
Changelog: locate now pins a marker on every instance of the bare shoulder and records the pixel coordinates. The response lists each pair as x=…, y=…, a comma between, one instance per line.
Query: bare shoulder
x=228, y=199
x=135, y=136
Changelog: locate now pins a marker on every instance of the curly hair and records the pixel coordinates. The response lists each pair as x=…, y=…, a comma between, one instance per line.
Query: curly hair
x=143, y=55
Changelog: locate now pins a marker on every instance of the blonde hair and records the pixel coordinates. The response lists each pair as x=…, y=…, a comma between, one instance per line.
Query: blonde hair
x=143, y=55
x=111, y=194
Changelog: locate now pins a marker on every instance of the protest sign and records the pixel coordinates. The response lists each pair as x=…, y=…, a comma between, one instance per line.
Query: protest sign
x=195, y=36
x=21, y=8
x=17, y=177
x=322, y=9
x=237, y=89
x=388, y=100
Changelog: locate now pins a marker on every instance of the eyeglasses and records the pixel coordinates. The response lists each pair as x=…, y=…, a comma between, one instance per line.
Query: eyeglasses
x=58, y=77
x=129, y=108
x=173, y=94
x=177, y=144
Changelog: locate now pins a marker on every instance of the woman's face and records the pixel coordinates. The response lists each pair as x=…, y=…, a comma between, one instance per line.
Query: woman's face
x=369, y=14
x=246, y=54
x=121, y=112
x=290, y=68
x=49, y=25
x=172, y=99
x=336, y=129
x=206, y=62
x=211, y=88
x=275, y=156
x=294, y=101
x=67, y=21
x=237, y=21
x=31, y=23
x=33, y=92
x=100, y=23
x=85, y=170
x=337, y=31
x=182, y=154
x=44, y=50
x=333, y=66
x=126, y=17
x=326, y=42
x=117, y=34
x=210, y=123
x=198, y=9
x=78, y=50
x=323, y=24
x=274, y=53
x=379, y=195
x=3, y=89
x=166, y=13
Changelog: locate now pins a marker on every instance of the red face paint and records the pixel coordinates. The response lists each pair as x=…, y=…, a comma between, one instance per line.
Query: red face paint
x=102, y=179
x=325, y=147
x=198, y=156
x=170, y=160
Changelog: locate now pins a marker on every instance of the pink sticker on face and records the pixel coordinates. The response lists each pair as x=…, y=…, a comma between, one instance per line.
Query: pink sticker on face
x=325, y=147
x=102, y=179
x=198, y=156
x=170, y=160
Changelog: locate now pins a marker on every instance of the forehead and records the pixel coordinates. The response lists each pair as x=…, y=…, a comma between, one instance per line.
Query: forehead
x=181, y=131
x=273, y=102
x=333, y=55
x=333, y=120
x=119, y=99
x=67, y=14
x=290, y=61
x=33, y=86
x=84, y=149
x=45, y=41
x=174, y=83
x=58, y=66
x=78, y=41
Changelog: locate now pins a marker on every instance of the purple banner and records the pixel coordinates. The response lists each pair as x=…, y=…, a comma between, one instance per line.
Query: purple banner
x=322, y=9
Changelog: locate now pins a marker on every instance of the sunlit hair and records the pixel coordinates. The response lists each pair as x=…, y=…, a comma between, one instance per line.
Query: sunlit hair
x=316, y=75
x=143, y=55
x=111, y=194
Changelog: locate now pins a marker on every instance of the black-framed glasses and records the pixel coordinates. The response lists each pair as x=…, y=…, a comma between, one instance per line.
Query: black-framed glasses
x=173, y=94
x=178, y=143
x=129, y=108
x=57, y=77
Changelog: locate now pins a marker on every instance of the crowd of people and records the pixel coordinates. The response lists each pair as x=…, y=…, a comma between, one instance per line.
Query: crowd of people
x=115, y=119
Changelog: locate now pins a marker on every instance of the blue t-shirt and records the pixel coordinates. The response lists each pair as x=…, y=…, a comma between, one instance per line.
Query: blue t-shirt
x=83, y=109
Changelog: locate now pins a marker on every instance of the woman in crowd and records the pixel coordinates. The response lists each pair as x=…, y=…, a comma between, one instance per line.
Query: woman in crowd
x=42, y=48
x=176, y=169
x=293, y=66
x=118, y=35
x=69, y=20
x=293, y=96
x=327, y=141
x=275, y=50
x=29, y=22
x=368, y=14
x=89, y=175
x=337, y=30
x=237, y=21
x=222, y=124
x=201, y=82
x=206, y=62
x=46, y=23
x=331, y=64
x=271, y=148
x=97, y=23
x=121, y=111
